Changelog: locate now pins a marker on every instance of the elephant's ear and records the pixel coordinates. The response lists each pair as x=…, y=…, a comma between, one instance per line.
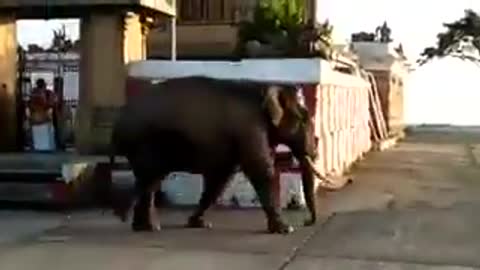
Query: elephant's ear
x=272, y=103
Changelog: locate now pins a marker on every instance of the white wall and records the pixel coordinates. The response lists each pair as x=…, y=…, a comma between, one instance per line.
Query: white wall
x=71, y=84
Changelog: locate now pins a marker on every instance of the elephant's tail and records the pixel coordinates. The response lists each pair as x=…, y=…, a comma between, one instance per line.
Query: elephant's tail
x=106, y=189
x=120, y=200
x=111, y=157
x=113, y=150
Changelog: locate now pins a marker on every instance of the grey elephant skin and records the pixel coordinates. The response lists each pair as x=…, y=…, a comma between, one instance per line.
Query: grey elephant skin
x=212, y=127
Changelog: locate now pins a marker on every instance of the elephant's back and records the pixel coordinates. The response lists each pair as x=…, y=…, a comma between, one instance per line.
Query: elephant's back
x=199, y=109
x=197, y=101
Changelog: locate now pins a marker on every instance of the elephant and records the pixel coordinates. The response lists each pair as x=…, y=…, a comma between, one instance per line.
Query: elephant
x=213, y=127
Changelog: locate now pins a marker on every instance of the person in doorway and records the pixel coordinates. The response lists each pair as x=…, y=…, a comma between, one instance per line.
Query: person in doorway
x=41, y=106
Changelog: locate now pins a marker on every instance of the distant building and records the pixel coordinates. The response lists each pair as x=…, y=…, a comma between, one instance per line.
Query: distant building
x=390, y=68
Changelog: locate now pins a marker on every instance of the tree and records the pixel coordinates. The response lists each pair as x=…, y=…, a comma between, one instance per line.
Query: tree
x=60, y=44
x=272, y=17
x=459, y=32
x=60, y=41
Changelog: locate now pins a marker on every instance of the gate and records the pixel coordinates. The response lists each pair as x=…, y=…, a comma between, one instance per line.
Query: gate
x=52, y=70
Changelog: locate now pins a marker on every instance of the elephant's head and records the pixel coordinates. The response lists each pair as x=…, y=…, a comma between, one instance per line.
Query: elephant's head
x=293, y=126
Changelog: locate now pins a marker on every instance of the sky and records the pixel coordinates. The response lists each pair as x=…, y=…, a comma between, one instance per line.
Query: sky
x=41, y=31
x=415, y=23
x=444, y=91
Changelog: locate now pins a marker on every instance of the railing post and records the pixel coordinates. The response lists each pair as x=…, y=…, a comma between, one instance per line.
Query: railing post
x=173, y=36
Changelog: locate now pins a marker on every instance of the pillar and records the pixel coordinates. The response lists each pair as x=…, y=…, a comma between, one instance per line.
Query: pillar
x=135, y=38
x=8, y=73
x=109, y=41
x=58, y=117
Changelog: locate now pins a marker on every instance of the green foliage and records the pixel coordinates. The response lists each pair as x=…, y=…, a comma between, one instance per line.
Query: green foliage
x=280, y=14
x=273, y=17
x=281, y=25
x=60, y=41
x=324, y=32
x=469, y=25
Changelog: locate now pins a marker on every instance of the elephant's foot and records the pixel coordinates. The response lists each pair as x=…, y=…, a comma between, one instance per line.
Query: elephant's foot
x=142, y=227
x=122, y=208
x=198, y=222
x=145, y=227
x=121, y=213
x=155, y=219
x=146, y=223
x=310, y=222
x=279, y=227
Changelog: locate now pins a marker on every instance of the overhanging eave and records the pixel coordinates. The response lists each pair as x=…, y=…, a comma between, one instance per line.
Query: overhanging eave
x=41, y=9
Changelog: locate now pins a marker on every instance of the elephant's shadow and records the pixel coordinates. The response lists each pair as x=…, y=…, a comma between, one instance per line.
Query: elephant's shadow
x=232, y=230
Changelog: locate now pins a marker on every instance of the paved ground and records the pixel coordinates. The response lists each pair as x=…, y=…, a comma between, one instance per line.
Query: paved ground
x=412, y=207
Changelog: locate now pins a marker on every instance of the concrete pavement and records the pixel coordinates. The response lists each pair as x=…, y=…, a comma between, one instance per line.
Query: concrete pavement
x=15, y=226
x=422, y=236
x=412, y=207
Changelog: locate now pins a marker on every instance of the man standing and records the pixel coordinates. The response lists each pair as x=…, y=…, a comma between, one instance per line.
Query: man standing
x=41, y=108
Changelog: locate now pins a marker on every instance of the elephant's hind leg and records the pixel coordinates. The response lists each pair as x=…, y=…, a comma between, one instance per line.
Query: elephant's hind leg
x=144, y=212
x=214, y=185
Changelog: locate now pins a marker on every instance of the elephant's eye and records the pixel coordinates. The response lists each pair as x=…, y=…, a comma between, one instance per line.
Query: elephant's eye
x=303, y=114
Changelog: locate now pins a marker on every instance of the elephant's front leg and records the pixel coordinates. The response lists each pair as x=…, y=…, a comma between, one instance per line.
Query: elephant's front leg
x=261, y=184
x=259, y=167
x=214, y=184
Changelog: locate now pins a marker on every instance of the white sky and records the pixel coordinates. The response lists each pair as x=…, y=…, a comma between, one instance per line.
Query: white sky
x=415, y=23
x=41, y=32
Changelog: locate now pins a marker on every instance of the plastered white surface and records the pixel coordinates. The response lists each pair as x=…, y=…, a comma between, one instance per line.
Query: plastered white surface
x=265, y=70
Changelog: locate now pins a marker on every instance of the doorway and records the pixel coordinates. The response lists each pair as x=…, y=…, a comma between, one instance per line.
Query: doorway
x=52, y=56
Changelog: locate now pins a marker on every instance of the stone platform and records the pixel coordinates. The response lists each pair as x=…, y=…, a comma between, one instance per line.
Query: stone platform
x=68, y=177
x=45, y=177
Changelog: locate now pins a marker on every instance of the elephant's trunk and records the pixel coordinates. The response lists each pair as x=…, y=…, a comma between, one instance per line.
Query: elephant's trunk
x=324, y=180
x=309, y=191
x=309, y=170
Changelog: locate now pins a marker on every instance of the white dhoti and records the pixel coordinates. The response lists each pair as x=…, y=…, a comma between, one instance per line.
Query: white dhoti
x=43, y=137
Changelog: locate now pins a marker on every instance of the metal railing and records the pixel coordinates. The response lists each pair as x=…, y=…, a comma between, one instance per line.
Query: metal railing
x=194, y=12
